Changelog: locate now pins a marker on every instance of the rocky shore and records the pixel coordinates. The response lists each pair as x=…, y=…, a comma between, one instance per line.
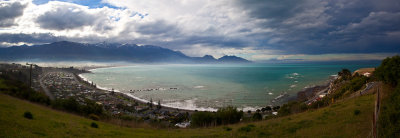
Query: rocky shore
x=312, y=94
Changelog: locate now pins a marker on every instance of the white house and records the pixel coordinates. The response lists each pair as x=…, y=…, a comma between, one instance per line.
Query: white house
x=367, y=74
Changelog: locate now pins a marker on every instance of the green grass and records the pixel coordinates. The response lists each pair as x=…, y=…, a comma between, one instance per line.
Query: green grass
x=337, y=120
x=2, y=85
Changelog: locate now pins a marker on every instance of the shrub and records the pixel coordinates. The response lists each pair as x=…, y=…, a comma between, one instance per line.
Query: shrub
x=91, y=107
x=303, y=107
x=389, y=70
x=94, y=117
x=345, y=74
x=203, y=119
x=70, y=104
x=227, y=115
x=28, y=115
x=355, y=84
x=357, y=112
x=389, y=122
x=94, y=125
x=257, y=116
x=284, y=110
x=247, y=128
x=19, y=89
x=268, y=108
x=227, y=128
x=127, y=117
x=276, y=108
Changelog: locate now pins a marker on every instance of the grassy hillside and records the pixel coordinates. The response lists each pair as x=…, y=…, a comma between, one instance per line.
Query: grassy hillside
x=337, y=120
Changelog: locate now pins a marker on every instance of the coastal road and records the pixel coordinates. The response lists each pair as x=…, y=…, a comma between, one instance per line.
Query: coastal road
x=367, y=90
x=316, y=96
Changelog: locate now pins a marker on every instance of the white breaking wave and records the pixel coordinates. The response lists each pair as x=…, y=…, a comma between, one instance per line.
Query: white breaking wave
x=97, y=86
x=188, y=105
x=185, y=105
x=293, y=75
x=83, y=78
x=247, y=108
x=198, y=87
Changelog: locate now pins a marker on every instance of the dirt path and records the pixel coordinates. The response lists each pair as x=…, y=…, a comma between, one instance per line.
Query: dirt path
x=369, y=89
x=45, y=89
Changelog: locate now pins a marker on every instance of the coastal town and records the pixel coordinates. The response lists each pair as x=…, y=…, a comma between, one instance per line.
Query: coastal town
x=64, y=83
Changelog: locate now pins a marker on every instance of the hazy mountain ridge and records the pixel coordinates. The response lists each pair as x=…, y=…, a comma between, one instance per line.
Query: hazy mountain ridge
x=105, y=52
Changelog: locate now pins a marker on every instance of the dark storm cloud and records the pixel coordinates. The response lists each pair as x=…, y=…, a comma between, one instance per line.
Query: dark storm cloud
x=9, y=11
x=287, y=26
x=160, y=31
x=158, y=27
x=376, y=23
x=219, y=41
x=35, y=38
x=64, y=16
x=29, y=38
x=41, y=38
x=336, y=26
x=271, y=9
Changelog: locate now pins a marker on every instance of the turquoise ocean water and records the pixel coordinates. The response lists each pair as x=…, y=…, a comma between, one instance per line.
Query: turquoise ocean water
x=207, y=87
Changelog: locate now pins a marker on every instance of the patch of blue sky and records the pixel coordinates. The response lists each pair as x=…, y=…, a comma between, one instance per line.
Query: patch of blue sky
x=115, y=18
x=141, y=15
x=89, y=3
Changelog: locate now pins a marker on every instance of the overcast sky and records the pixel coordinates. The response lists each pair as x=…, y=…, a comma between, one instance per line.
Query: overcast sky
x=254, y=29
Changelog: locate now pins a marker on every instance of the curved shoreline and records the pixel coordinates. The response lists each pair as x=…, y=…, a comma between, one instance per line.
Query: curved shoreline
x=193, y=107
x=146, y=101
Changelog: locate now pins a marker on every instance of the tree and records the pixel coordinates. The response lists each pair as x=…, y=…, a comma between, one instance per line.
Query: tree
x=389, y=70
x=257, y=116
x=226, y=115
x=345, y=74
x=151, y=103
x=276, y=108
x=159, y=104
x=389, y=73
x=389, y=122
x=203, y=119
x=268, y=108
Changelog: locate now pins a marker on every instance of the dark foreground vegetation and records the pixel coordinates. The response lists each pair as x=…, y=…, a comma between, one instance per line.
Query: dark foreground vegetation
x=18, y=89
x=389, y=117
x=345, y=85
x=324, y=122
x=224, y=116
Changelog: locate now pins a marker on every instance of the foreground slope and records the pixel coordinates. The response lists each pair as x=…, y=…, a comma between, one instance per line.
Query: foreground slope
x=337, y=120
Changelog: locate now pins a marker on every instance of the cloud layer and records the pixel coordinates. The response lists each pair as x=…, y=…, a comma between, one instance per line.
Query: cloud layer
x=253, y=29
x=9, y=11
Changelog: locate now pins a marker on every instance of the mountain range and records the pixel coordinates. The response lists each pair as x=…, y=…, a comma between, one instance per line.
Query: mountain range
x=105, y=52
